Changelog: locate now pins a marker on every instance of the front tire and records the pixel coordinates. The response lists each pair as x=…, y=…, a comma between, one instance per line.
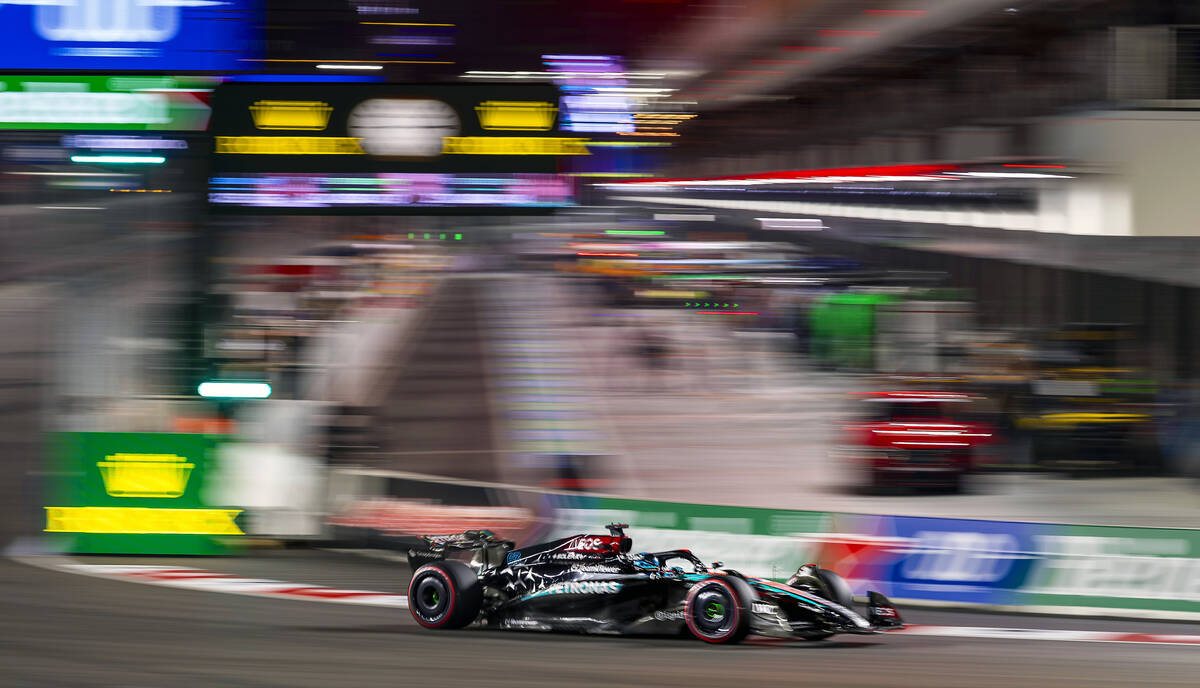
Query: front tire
x=717, y=610
x=836, y=589
x=831, y=586
x=445, y=594
x=823, y=583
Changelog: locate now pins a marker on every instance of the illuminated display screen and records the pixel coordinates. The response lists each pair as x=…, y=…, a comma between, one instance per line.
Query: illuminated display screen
x=389, y=192
x=341, y=128
x=587, y=83
x=123, y=35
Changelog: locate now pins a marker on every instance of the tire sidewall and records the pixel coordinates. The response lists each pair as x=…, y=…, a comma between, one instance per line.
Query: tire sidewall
x=837, y=590
x=424, y=572
x=739, y=623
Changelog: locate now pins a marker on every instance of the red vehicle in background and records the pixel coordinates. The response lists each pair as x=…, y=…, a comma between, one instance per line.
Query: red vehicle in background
x=916, y=439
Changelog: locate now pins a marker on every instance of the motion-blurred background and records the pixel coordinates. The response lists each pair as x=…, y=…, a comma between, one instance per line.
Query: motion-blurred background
x=291, y=266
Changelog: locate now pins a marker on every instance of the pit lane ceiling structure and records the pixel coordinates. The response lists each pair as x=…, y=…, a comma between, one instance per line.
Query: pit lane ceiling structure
x=741, y=52
x=766, y=45
x=421, y=40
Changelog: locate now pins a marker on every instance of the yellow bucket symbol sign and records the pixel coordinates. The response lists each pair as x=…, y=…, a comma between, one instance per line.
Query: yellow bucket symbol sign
x=516, y=115
x=291, y=114
x=145, y=475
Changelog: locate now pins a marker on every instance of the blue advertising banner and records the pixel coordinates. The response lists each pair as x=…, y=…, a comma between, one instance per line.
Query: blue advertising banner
x=125, y=35
x=955, y=560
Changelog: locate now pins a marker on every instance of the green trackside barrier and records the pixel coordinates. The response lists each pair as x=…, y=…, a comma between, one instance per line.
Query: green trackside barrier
x=1044, y=567
x=1116, y=568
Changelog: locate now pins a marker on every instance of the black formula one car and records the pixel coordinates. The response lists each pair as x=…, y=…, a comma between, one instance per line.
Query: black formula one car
x=592, y=584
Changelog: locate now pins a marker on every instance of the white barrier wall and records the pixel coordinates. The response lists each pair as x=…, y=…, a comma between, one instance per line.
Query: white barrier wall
x=1151, y=157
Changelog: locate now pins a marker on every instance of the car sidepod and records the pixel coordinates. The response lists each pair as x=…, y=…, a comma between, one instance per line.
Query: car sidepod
x=618, y=604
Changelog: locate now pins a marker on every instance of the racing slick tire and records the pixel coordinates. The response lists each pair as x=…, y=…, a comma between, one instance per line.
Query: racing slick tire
x=829, y=585
x=836, y=588
x=717, y=610
x=445, y=594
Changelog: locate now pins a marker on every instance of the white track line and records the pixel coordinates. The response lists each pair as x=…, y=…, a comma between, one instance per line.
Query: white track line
x=189, y=578
x=1047, y=634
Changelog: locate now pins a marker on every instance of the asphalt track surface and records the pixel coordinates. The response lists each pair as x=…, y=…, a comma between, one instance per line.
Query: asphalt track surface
x=59, y=629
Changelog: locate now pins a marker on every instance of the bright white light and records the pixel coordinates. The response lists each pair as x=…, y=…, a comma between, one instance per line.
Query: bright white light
x=142, y=159
x=794, y=223
x=234, y=390
x=1012, y=175
x=350, y=66
x=631, y=89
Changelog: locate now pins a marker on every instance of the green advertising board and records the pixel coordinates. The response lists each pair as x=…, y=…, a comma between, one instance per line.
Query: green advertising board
x=105, y=102
x=1104, y=567
x=136, y=493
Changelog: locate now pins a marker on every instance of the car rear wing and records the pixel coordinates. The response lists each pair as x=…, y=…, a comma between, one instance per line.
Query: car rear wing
x=490, y=550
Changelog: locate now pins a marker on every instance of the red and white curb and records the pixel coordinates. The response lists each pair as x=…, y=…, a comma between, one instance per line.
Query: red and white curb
x=198, y=579
x=189, y=578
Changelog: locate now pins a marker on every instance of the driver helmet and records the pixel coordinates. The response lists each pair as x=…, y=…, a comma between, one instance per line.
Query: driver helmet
x=645, y=560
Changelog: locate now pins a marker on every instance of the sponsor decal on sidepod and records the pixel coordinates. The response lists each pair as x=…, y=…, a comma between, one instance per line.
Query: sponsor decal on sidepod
x=580, y=588
x=763, y=608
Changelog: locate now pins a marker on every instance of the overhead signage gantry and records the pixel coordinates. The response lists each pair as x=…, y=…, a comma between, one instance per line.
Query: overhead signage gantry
x=390, y=148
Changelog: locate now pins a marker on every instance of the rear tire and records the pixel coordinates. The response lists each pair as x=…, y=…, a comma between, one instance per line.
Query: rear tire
x=717, y=610
x=445, y=594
